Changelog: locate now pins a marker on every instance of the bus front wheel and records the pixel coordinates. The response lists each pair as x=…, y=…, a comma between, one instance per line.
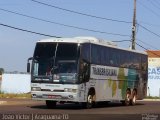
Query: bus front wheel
x=90, y=101
x=50, y=104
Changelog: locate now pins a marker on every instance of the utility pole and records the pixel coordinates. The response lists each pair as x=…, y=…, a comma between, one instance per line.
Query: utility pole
x=134, y=27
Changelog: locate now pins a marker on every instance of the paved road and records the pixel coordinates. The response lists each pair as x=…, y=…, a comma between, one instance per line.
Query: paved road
x=21, y=109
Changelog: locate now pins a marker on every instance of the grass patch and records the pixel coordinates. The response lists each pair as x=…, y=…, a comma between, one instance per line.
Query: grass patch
x=152, y=97
x=12, y=95
x=1, y=92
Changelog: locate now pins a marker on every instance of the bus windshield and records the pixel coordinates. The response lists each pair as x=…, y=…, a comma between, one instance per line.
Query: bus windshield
x=67, y=66
x=57, y=61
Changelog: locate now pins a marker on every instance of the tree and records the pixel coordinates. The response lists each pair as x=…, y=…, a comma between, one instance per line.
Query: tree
x=1, y=71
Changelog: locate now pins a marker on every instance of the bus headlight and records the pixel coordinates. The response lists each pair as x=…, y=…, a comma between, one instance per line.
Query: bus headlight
x=67, y=90
x=74, y=90
x=35, y=89
x=70, y=90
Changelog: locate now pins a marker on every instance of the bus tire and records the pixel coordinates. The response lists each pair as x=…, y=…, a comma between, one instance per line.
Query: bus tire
x=134, y=97
x=50, y=104
x=127, y=100
x=90, y=101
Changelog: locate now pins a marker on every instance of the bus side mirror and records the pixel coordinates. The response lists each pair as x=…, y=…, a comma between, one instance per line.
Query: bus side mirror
x=28, y=67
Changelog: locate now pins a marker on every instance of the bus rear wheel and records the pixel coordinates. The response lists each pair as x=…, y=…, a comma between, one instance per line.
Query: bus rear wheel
x=50, y=104
x=127, y=100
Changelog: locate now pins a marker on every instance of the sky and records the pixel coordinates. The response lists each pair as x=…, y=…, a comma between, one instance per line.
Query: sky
x=107, y=19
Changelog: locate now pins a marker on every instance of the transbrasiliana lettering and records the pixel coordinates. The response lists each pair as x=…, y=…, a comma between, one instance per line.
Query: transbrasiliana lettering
x=104, y=71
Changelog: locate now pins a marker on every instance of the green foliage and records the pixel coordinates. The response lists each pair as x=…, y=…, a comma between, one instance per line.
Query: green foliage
x=1, y=71
x=11, y=95
x=152, y=97
x=1, y=92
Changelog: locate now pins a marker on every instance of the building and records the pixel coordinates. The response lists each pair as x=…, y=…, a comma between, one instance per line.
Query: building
x=154, y=73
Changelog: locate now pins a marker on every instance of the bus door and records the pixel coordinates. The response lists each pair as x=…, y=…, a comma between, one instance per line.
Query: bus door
x=84, y=76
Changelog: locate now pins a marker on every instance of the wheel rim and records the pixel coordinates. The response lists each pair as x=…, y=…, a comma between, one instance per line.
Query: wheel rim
x=127, y=100
x=90, y=99
x=134, y=100
x=128, y=97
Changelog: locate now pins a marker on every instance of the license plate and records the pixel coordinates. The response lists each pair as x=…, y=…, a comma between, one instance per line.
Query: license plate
x=52, y=96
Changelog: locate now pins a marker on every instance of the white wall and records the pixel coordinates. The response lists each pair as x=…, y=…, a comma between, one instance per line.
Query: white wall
x=15, y=83
x=154, y=77
x=153, y=88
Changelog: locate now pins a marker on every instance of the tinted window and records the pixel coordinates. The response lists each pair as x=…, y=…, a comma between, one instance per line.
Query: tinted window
x=67, y=51
x=45, y=50
x=95, y=54
x=118, y=58
x=85, y=51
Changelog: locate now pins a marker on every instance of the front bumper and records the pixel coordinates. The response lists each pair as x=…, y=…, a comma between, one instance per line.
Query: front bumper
x=55, y=96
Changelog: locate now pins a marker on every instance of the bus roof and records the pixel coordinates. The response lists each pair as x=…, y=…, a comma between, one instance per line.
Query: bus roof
x=84, y=39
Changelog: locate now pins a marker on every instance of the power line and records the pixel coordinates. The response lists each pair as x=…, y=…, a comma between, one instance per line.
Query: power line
x=147, y=44
x=80, y=13
x=141, y=46
x=122, y=41
x=147, y=49
x=61, y=24
x=149, y=9
x=29, y=31
x=24, y=30
x=149, y=24
x=154, y=4
x=157, y=2
x=138, y=45
x=149, y=31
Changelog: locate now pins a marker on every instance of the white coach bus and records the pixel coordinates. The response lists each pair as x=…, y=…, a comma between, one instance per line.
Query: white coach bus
x=86, y=70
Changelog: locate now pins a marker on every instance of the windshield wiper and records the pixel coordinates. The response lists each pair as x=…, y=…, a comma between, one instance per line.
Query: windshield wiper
x=55, y=55
x=54, y=67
